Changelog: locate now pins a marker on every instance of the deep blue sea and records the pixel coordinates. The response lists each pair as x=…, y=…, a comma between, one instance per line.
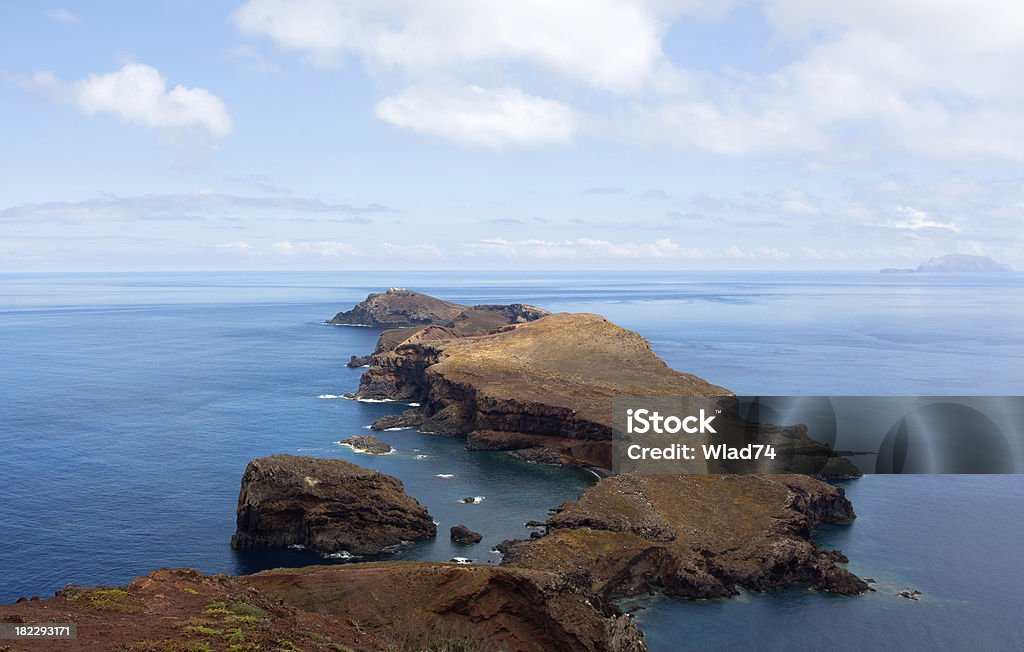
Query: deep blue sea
x=131, y=403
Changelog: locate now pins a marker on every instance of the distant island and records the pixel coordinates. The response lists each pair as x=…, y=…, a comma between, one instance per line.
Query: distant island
x=954, y=263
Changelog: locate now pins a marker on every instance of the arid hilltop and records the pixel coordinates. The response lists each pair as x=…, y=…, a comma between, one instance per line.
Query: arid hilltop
x=376, y=606
x=542, y=389
x=697, y=536
x=401, y=308
x=545, y=384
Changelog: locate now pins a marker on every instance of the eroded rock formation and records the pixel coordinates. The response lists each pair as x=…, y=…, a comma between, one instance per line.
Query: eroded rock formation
x=698, y=536
x=542, y=384
x=367, y=444
x=400, y=308
x=325, y=505
x=462, y=534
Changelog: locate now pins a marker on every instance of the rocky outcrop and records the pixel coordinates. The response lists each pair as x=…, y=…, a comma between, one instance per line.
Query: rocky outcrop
x=400, y=308
x=546, y=388
x=697, y=536
x=325, y=505
x=462, y=534
x=396, y=308
x=543, y=384
x=367, y=444
x=378, y=606
x=407, y=419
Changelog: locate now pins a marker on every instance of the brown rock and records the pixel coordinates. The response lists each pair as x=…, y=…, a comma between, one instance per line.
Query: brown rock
x=462, y=534
x=380, y=606
x=367, y=444
x=697, y=536
x=401, y=308
x=545, y=383
x=326, y=505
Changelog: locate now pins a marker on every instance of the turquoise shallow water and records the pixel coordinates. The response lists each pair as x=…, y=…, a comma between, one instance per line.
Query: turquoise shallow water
x=131, y=403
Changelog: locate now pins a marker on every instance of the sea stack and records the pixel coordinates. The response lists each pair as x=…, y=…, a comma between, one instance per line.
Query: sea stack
x=325, y=505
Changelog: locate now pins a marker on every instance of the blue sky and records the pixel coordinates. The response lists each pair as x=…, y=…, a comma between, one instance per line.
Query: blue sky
x=473, y=134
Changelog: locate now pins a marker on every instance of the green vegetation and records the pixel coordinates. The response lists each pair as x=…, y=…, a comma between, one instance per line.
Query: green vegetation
x=202, y=629
x=109, y=600
x=217, y=608
x=164, y=646
x=248, y=610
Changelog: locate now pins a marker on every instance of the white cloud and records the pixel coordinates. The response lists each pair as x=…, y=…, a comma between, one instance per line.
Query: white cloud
x=254, y=59
x=935, y=79
x=478, y=116
x=239, y=246
x=915, y=220
x=62, y=16
x=794, y=201
x=170, y=206
x=411, y=251
x=581, y=248
x=332, y=249
x=138, y=93
x=610, y=44
x=325, y=248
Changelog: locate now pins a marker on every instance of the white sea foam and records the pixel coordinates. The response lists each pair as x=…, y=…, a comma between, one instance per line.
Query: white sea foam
x=445, y=475
x=400, y=428
x=328, y=396
x=343, y=554
x=461, y=560
x=422, y=457
x=476, y=500
x=297, y=546
x=361, y=451
x=412, y=404
x=368, y=400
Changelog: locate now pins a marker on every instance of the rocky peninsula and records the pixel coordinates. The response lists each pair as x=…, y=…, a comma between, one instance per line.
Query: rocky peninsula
x=696, y=536
x=543, y=389
x=512, y=378
x=405, y=313
x=325, y=505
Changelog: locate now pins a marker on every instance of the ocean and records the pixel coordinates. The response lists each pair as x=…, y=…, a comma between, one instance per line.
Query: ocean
x=131, y=403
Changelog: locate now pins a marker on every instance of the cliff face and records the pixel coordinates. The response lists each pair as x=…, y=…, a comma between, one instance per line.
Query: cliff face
x=697, y=536
x=326, y=505
x=381, y=606
x=544, y=384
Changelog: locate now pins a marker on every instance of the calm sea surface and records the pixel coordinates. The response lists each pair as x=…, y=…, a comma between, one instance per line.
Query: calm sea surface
x=131, y=403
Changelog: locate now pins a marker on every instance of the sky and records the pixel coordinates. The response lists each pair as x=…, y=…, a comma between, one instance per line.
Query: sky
x=486, y=134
